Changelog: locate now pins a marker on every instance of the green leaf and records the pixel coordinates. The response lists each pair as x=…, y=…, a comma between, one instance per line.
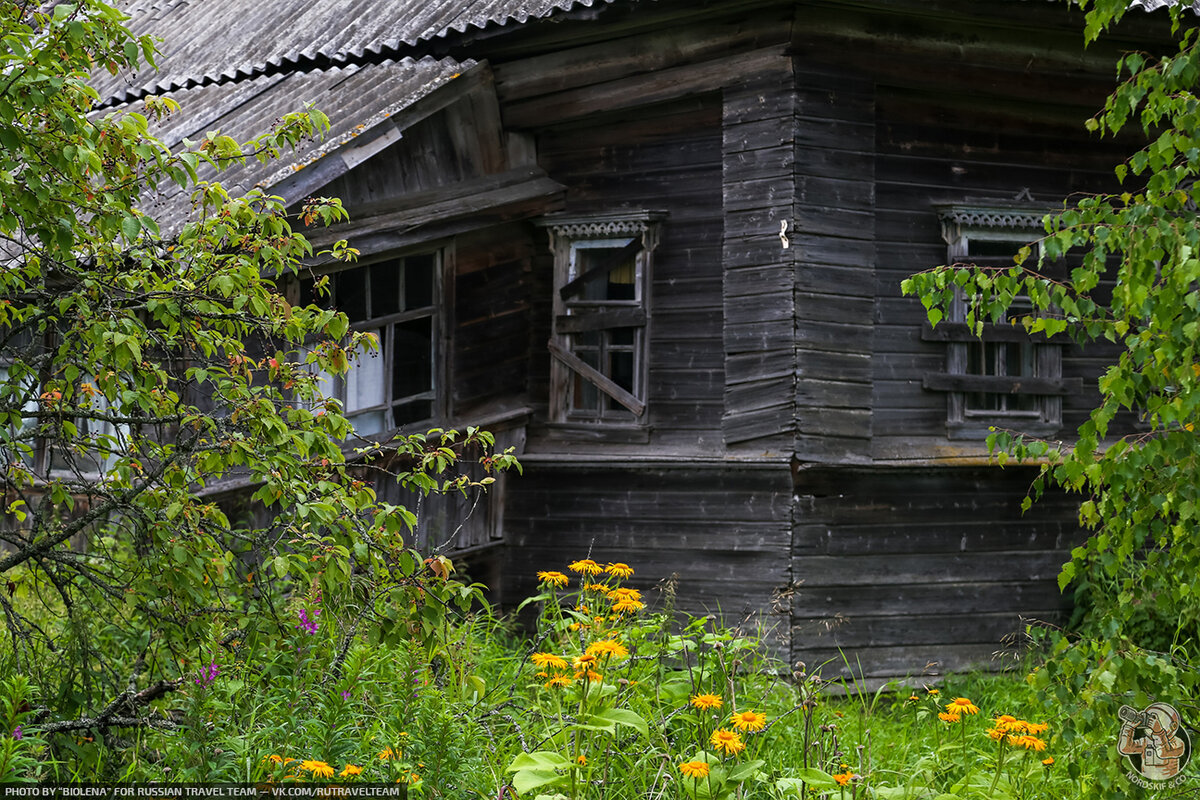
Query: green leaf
x=744, y=771
x=529, y=779
x=131, y=226
x=815, y=778
x=624, y=717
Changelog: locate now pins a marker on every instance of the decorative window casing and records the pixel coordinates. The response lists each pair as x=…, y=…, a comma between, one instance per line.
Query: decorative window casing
x=1006, y=377
x=396, y=300
x=601, y=316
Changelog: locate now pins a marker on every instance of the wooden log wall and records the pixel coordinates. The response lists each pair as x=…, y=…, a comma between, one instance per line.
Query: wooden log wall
x=834, y=245
x=916, y=572
x=721, y=534
x=970, y=141
x=758, y=187
x=491, y=326
x=665, y=157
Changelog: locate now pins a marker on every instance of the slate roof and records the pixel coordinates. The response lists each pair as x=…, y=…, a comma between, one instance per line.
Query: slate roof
x=213, y=41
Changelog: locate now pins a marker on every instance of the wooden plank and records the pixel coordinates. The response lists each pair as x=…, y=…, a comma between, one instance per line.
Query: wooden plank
x=845, y=422
x=864, y=631
x=834, y=365
x=333, y=165
x=758, y=336
x=914, y=533
x=759, y=423
x=844, y=394
x=601, y=381
x=614, y=260
x=450, y=202
x=926, y=569
x=599, y=320
x=742, y=367
x=567, y=68
x=899, y=662
x=944, y=598
x=1001, y=384
x=638, y=90
x=766, y=392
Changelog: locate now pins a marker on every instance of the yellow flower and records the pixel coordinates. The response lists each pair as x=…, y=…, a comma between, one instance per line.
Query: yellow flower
x=388, y=754
x=946, y=716
x=624, y=593
x=553, y=578
x=548, y=660
x=619, y=570
x=582, y=759
x=933, y=692
x=559, y=681
x=584, y=661
x=589, y=675
x=1028, y=742
x=350, y=770
x=585, y=566
x=607, y=648
x=961, y=705
x=728, y=741
x=627, y=606
x=1047, y=761
x=1036, y=727
x=912, y=698
x=843, y=778
x=694, y=769
x=997, y=733
x=278, y=759
x=706, y=701
x=749, y=721
x=595, y=587
x=318, y=768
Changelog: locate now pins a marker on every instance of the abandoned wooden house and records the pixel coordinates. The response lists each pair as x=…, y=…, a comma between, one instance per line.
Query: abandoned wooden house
x=657, y=246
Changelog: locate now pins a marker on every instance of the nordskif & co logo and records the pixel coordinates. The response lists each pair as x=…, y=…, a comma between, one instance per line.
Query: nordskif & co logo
x=1155, y=744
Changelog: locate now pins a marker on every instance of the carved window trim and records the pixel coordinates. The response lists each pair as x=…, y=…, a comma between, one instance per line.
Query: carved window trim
x=630, y=239
x=965, y=377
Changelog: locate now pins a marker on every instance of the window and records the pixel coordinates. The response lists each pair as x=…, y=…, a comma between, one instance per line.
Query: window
x=1005, y=378
x=83, y=447
x=397, y=384
x=601, y=317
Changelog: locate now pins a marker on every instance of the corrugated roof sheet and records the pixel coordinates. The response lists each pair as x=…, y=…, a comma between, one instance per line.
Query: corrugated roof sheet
x=208, y=41
x=355, y=98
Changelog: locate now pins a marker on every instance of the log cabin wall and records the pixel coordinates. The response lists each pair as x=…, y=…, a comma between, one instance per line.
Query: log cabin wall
x=792, y=453
x=668, y=118
x=922, y=562
x=916, y=572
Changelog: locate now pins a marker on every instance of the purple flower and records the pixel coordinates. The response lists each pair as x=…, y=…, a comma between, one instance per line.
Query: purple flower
x=208, y=675
x=345, y=694
x=307, y=625
x=16, y=734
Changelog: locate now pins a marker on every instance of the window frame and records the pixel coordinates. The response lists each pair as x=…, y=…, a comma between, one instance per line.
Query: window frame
x=438, y=393
x=572, y=316
x=1018, y=226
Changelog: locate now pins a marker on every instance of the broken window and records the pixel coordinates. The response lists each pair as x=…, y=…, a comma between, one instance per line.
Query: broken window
x=395, y=300
x=601, y=317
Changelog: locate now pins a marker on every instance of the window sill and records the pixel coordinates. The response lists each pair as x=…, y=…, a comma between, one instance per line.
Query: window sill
x=978, y=429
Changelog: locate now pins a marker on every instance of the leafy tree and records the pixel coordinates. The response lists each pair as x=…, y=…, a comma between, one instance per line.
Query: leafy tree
x=1140, y=490
x=141, y=371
